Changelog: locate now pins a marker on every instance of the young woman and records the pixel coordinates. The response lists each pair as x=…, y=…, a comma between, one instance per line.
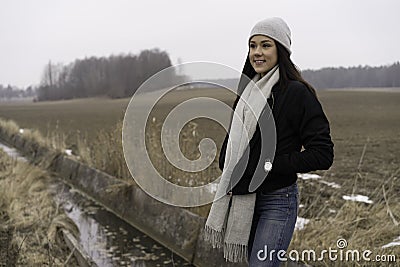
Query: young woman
x=257, y=225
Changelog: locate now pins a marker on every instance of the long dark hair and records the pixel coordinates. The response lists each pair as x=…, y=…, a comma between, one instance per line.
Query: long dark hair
x=287, y=71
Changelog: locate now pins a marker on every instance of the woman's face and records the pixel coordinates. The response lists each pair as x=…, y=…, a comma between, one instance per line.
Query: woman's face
x=263, y=54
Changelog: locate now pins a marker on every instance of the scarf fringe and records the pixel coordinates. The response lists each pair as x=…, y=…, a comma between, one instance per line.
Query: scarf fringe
x=216, y=238
x=235, y=252
x=232, y=252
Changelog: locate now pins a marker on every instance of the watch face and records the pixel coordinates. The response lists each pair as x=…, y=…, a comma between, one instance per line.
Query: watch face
x=267, y=166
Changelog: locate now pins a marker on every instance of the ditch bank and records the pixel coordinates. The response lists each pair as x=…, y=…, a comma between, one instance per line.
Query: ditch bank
x=101, y=238
x=175, y=228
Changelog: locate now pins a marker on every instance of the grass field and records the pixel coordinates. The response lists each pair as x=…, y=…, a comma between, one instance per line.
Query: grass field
x=82, y=118
x=365, y=129
x=357, y=119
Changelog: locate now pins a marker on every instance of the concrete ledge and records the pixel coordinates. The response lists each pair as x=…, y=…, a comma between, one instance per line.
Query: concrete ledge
x=65, y=167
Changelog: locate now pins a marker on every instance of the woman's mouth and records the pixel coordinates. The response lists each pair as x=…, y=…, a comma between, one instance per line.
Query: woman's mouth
x=259, y=62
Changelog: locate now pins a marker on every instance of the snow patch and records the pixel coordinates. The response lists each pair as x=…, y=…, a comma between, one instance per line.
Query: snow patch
x=313, y=176
x=331, y=184
x=301, y=223
x=68, y=152
x=358, y=198
x=395, y=242
x=12, y=152
x=307, y=176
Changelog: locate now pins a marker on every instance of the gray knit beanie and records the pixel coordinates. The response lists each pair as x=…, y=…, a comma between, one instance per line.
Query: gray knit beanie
x=275, y=28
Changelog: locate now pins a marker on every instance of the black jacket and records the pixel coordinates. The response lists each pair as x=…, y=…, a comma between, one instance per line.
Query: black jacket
x=299, y=121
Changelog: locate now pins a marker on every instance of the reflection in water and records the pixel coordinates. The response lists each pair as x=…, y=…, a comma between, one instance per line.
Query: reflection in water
x=108, y=240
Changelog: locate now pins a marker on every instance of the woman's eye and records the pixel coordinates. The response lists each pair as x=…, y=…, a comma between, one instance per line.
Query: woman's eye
x=252, y=45
x=266, y=45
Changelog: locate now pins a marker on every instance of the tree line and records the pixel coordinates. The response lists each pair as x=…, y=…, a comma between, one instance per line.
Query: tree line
x=9, y=92
x=114, y=76
x=361, y=76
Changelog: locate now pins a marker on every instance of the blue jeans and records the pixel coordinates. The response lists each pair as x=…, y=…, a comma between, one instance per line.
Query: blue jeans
x=273, y=224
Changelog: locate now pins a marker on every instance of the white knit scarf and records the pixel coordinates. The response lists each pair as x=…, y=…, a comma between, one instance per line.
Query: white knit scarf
x=229, y=226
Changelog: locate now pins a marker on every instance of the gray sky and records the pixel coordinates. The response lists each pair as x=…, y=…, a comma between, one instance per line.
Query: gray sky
x=325, y=33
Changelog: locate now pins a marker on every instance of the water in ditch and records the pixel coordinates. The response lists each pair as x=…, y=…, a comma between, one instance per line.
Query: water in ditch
x=107, y=239
x=12, y=152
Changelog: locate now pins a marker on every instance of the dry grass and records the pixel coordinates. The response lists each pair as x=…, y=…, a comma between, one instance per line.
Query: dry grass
x=364, y=226
x=105, y=153
x=56, y=140
x=9, y=127
x=29, y=210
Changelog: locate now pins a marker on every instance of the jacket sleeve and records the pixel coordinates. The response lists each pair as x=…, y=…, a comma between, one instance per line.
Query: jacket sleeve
x=314, y=131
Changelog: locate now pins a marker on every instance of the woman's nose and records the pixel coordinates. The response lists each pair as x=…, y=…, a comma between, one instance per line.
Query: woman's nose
x=258, y=51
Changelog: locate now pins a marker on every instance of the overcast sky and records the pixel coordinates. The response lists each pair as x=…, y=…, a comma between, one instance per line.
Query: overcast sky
x=324, y=32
